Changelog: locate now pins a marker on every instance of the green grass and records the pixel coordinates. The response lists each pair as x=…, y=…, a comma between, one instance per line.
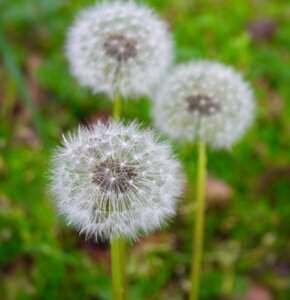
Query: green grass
x=42, y=258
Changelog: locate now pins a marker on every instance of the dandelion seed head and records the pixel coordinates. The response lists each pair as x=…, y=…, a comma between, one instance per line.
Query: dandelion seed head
x=205, y=101
x=119, y=47
x=202, y=104
x=113, y=175
x=106, y=190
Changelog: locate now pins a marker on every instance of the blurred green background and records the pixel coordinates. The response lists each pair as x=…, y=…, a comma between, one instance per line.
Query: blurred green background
x=247, y=246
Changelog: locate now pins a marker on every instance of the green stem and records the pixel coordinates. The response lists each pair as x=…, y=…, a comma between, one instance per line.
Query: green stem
x=117, y=107
x=199, y=222
x=124, y=268
x=228, y=282
x=116, y=246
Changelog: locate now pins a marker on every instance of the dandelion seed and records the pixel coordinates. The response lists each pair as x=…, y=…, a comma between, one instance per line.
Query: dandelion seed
x=119, y=47
x=115, y=195
x=204, y=101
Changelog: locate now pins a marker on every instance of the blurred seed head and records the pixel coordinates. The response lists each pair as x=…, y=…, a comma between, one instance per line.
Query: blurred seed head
x=115, y=180
x=204, y=100
x=119, y=47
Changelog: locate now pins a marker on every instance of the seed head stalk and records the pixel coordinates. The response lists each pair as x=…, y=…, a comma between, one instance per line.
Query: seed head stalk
x=118, y=244
x=118, y=290
x=117, y=107
x=197, y=245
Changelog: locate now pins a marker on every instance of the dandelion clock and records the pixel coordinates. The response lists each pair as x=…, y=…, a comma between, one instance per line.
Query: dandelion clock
x=208, y=103
x=204, y=101
x=119, y=48
x=114, y=180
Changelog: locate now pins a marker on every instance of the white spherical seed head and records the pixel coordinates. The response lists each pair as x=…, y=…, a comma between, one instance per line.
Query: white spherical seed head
x=204, y=100
x=115, y=180
x=119, y=47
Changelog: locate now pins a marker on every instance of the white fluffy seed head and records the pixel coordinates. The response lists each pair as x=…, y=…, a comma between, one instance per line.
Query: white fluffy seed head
x=204, y=100
x=119, y=47
x=115, y=180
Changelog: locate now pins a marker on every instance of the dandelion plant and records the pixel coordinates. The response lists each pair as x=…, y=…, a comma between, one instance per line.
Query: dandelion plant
x=115, y=182
x=208, y=103
x=121, y=49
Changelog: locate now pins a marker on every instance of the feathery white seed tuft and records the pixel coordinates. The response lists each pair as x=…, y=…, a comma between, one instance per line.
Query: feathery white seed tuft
x=204, y=100
x=115, y=180
x=119, y=47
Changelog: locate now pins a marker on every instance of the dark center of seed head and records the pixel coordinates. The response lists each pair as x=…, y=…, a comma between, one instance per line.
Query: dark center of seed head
x=112, y=176
x=203, y=104
x=120, y=47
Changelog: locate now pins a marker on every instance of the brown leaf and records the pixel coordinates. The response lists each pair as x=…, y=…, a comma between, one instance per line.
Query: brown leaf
x=26, y=135
x=32, y=64
x=218, y=193
x=262, y=30
x=256, y=292
x=271, y=176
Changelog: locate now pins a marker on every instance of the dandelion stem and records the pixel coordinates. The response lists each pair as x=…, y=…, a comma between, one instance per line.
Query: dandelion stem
x=228, y=281
x=117, y=107
x=120, y=244
x=123, y=251
x=199, y=222
x=116, y=246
